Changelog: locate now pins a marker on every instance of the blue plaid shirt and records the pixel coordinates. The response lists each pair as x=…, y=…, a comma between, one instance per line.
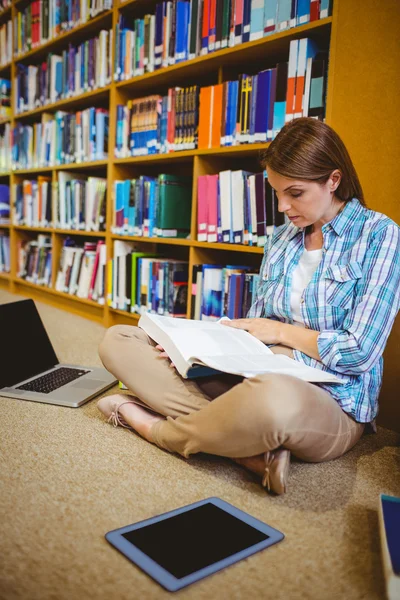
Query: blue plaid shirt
x=352, y=299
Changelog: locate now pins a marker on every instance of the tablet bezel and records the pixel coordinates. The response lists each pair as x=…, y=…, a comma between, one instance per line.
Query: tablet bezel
x=165, y=578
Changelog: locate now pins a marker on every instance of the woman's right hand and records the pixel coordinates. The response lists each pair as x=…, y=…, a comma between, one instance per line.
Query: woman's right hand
x=163, y=354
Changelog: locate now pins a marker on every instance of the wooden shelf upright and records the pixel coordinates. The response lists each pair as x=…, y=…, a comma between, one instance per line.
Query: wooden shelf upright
x=364, y=54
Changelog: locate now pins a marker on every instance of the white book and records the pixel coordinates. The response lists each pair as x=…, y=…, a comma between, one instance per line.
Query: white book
x=190, y=343
x=238, y=183
x=225, y=183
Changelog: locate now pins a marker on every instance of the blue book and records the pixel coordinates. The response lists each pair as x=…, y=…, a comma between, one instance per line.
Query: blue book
x=131, y=185
x=99, y=135
x=257, y=19
x=182, y=14
x=262, y=106
x=283, y=14
x=247, y=7
x=233, y=111
x=140, y=205
x=293, y=14
x=303, y=12
x=212, y=293
x=235, y=295
x=152, y=202
x=118, y=207
x=271, y=101
x=270, y=16
x=325, y=8
x=4, y=204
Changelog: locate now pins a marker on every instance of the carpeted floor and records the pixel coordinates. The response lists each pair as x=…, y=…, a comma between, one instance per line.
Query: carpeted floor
x=67, y=477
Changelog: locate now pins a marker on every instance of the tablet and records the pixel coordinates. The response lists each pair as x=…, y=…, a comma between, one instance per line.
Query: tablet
x=184, y=545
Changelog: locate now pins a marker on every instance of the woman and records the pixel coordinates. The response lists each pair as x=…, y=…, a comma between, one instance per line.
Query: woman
x=328, y=296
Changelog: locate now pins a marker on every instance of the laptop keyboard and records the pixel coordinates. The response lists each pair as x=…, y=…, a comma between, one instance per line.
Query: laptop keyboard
x=52, y=381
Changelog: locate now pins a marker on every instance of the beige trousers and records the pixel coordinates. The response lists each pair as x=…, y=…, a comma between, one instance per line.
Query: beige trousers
x=228, y=415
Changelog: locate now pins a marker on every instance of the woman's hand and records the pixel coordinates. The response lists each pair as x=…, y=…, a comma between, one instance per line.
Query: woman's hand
x=163, y=354
x=266, y=330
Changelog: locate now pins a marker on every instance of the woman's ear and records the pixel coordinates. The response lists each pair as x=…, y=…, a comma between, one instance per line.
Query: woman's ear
x=334, y=180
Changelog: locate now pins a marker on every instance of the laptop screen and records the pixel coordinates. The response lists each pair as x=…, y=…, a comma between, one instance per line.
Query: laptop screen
x=27, y=350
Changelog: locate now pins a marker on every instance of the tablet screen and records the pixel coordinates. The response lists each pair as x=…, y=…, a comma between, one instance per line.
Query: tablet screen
x=192, y=540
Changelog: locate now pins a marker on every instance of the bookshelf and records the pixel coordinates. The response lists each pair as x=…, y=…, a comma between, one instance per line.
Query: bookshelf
x=361, y=91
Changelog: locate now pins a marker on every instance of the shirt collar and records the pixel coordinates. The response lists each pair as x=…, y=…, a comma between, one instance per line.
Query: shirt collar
x=345, y=218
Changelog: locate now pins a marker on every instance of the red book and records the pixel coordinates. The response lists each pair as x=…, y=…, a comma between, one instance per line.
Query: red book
x=314, y=10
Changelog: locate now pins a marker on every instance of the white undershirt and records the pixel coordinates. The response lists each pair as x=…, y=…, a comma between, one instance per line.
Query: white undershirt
x=302, y=276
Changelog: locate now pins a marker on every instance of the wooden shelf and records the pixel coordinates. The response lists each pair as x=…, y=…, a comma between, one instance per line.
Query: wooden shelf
x=152, y=240
x=185, y=242
x=91, y=303
x=229, y=247
x=71, y=103
x=99, y=234
x=82, y=32
x=90, y=165
x=184, y=155
x=5, y=70
x=123, y=313
x=5, y=225
x=6, y=276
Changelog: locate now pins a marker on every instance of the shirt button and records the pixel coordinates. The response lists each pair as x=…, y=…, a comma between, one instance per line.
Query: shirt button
x=302, y=300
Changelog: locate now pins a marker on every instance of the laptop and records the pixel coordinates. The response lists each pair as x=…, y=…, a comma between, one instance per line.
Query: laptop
x=29, y=368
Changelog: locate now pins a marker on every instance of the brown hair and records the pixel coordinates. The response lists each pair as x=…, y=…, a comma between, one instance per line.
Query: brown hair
x=309, y=149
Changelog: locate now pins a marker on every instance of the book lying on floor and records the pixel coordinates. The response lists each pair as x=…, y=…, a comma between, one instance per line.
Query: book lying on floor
x=200, y=348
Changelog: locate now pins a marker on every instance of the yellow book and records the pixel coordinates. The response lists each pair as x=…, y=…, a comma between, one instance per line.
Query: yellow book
x=109, y=282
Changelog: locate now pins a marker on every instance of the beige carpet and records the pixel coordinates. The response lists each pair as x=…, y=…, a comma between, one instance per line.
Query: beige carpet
x=67, y=477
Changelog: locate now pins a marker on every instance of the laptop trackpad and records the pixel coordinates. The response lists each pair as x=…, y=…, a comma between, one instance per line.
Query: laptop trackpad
x=88, y=384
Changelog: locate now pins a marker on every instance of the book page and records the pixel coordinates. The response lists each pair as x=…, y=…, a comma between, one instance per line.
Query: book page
x=252, y=365
x=193, y=338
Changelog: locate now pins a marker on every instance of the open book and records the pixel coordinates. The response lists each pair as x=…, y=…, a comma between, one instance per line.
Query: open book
x=193, y=345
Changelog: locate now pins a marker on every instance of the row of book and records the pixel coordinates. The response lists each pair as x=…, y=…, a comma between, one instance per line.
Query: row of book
x=236, y=207
x=43, y=20
x=5, y=99
x=252, y=109
x=4, y=204
x=158, y=124
x=181, y=30
x=153, y=206
x=76, y=70
x=34, y=260
x=4, y=252
x=82, y=270
x=138, y=282
x=222, y=291
x=62, y=138
x=5, y=43
x=76, y=203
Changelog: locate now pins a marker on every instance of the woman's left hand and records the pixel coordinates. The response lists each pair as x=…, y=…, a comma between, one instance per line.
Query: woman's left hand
x=266, y=330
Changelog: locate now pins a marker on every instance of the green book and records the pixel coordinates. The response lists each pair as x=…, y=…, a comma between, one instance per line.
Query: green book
x=226, y=19
x=174, y=206
x=135, y=256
